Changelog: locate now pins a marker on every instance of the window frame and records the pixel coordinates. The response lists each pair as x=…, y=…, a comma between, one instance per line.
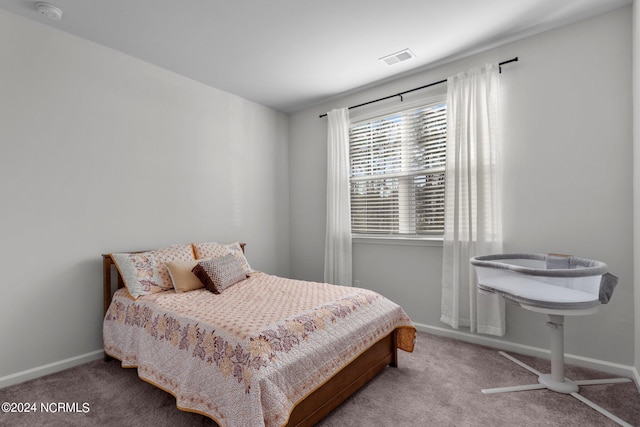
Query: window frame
x=434, y=239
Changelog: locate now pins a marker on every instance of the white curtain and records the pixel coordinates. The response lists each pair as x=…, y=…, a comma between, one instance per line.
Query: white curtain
x=337, y=253
x=473, y=224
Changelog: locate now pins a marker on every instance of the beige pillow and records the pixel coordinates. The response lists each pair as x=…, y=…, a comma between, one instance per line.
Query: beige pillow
x=182, y=277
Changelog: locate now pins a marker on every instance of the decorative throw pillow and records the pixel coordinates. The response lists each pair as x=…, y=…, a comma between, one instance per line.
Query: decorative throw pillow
x=218, y=274
x=182, y=277
x=146, y=272
x=139, y=272
x=217, y=250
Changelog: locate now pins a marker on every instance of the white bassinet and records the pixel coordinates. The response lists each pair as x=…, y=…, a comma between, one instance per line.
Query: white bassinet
x=556, y=285
x=546, y=281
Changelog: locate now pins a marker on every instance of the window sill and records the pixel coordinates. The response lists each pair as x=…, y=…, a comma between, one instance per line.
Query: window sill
x=435, y=241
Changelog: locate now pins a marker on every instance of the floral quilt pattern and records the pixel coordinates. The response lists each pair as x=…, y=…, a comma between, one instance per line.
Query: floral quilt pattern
x=252, y=380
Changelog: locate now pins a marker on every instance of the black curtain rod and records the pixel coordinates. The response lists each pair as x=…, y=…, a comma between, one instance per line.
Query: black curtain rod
x=417, y=88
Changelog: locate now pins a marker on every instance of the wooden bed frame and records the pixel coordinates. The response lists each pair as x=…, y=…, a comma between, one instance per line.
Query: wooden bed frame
x=331, y=394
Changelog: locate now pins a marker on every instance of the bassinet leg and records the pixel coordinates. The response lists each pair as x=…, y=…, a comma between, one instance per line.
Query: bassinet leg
x=556, y=380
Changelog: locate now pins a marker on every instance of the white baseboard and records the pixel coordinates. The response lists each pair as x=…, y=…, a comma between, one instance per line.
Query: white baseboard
x=50, y=368
x=571, y=359
x=636, y=378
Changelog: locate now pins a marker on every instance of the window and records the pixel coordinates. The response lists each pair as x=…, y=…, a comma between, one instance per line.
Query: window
x=397, y=175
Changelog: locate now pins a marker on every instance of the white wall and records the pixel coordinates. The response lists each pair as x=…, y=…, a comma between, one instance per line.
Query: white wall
x=567, y=132
x=636, y=175
x=101, y=152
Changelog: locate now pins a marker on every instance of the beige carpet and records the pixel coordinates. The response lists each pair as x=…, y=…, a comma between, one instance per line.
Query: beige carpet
x=437, y=385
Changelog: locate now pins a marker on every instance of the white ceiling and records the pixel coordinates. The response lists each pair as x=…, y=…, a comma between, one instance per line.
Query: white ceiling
x=289, y=54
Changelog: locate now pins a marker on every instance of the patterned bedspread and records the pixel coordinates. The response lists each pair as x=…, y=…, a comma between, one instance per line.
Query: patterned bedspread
x=247, y=356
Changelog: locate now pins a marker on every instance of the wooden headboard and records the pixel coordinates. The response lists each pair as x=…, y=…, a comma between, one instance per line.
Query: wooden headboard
x=107, y=262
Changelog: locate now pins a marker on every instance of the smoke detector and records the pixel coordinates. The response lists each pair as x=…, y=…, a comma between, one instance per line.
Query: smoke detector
x=50, y=11
x=398, y=57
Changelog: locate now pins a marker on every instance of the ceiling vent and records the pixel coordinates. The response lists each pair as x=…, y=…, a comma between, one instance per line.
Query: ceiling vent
x=398, y=57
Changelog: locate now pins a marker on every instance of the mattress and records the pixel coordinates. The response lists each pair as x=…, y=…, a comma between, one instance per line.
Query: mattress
x=245, y=357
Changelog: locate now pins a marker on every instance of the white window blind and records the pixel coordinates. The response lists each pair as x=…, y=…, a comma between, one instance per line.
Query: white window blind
x=397, y=173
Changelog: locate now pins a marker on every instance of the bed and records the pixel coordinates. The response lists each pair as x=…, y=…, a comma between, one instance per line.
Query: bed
x=266, y=351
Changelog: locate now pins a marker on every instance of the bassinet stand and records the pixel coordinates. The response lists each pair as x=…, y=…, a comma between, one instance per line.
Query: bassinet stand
x=556, y=380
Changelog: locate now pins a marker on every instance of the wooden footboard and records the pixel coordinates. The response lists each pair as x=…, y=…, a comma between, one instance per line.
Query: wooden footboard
x=343, y=384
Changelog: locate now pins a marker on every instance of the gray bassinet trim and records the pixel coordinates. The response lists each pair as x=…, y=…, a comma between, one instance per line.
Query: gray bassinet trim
x=607, y=284
x=581, y=267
